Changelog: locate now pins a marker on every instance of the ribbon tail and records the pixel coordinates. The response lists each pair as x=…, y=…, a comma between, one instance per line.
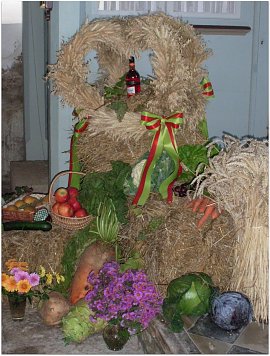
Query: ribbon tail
x=165, y=188
x=145, y=182
x=74, y=179
x=74, y=164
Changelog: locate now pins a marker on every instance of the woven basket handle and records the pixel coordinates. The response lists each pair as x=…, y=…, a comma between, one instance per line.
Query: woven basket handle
x=56, y=177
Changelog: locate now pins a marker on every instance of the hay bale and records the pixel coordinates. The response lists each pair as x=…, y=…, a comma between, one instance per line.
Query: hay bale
x=36, y=247
x=171, y=245
x=107, y=139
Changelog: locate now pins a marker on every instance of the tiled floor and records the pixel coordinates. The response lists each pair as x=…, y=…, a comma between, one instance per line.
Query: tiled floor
x=208, y=338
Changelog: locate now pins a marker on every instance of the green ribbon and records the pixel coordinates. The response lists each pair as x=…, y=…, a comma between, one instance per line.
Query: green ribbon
x=164, y=139
x=74, y=164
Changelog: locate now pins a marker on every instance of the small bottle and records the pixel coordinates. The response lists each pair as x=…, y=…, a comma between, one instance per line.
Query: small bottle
x=133, y=81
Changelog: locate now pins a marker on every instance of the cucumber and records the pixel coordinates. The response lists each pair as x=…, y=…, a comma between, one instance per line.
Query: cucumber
x=27, y=225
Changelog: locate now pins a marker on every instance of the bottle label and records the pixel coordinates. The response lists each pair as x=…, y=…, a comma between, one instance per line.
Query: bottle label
x=131, y=90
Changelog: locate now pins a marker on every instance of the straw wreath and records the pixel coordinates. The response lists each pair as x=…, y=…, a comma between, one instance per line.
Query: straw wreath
x=178, y=53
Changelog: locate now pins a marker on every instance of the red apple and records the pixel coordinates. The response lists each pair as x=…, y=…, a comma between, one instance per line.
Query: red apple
x=73, y=192
x=61, y=195
x=81, y=213
x=74, y=203
x=55, y=208
x=65, y=210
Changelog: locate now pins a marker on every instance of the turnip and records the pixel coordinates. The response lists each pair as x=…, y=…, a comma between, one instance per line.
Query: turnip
x=53, y=309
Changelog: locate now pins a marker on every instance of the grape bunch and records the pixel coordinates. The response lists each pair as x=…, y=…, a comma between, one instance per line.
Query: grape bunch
x=180, y=190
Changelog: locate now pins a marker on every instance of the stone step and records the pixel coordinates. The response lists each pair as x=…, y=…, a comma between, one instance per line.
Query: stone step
x=33, y=174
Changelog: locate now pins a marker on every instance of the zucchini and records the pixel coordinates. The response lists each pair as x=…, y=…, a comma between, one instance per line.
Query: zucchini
x=27, y=225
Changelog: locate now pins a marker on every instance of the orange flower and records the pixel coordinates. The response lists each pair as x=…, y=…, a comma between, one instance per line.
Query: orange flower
x=9, y=264
x=24, y=286
x=5, y=278
x=12, y=263
x=10, y=284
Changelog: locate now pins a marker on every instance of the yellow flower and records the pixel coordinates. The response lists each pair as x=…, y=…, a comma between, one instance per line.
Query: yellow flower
x=49, y=279
x=24, y=286
x=10, y=284
x=59, y=278
x=42, y=272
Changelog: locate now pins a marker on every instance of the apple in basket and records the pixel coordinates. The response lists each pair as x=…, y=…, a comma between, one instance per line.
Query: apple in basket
x=55, y=208
x=65, y=209
x=74, y=203
x=61, y=195
x=73, y=192
x=81, y=213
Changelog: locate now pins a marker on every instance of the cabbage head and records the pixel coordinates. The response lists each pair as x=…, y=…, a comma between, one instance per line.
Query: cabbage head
x=162, y=170
x=189, y=294
x=76, y=325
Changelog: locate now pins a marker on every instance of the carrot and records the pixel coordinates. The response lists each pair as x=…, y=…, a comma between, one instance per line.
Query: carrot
x=197, y=203
x=206, y=215
x=92, y=259
x=190, y=204
x=215, y=214
x=204, y=204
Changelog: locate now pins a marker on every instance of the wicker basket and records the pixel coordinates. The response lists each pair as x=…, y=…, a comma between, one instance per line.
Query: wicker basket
x=73, y=223
x=21, y=215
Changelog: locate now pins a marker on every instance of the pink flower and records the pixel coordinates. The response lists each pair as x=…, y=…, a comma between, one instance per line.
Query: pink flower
x=34, y=279
x=15, y=270
x=20, y=275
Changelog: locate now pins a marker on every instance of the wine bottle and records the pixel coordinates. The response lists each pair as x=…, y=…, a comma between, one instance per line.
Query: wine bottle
x=133, y=81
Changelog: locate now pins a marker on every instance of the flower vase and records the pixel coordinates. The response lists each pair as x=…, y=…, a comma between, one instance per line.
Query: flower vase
x=115, y=336
x=17, y=307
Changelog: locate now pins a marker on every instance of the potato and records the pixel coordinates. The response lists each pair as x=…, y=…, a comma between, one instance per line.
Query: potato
x=53, y=309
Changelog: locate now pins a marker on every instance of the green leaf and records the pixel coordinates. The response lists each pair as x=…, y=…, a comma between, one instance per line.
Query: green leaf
x=171, y=314
x=120, y=107
x=135, y=262
x=177, y=324
x=191, y=156
x=98, y=186
x=189, y=300
x=177, y=287
x=202, y=126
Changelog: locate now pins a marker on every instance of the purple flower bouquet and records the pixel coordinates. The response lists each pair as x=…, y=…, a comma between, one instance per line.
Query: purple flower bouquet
x=127, y=298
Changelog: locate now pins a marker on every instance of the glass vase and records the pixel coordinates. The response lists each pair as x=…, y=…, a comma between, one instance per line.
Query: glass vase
x=115, y=336
x=17, y=307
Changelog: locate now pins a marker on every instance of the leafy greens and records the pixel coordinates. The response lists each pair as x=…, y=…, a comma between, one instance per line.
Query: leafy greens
x=189, y=294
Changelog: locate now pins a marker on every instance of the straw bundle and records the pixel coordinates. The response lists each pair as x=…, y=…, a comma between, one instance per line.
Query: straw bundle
x=170, y=244
x=36, y=247
x=238, y=178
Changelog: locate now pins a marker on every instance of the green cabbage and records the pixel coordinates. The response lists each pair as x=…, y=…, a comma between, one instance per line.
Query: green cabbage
x=189, y=294
x=77, y=326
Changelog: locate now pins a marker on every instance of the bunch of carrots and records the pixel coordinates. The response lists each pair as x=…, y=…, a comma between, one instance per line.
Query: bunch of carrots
x=204, y=205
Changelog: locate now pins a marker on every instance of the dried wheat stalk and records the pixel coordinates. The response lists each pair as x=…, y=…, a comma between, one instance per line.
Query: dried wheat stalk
x=238, y=179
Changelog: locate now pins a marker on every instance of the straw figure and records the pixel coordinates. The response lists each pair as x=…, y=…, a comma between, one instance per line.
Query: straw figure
x=177, y=58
